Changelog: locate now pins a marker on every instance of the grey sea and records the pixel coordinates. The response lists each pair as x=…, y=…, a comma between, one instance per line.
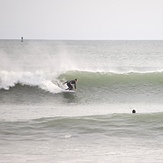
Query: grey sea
x=39, y=122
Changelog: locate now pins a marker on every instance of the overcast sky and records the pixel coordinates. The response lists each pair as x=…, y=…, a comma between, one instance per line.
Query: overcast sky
x=81, y=19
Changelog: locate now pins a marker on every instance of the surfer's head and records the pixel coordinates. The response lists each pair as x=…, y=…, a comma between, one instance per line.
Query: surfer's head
x=76, y=80
x=133, y=111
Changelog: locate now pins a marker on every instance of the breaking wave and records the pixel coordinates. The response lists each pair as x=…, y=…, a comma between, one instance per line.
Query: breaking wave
x=48, y=81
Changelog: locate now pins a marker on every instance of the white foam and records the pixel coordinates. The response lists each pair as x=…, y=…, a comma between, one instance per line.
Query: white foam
x=40, y=79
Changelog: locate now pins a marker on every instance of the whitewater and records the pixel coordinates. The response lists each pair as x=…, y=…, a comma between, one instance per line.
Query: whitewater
x=39, y=122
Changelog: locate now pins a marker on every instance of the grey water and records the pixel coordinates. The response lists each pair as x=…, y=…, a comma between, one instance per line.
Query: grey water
x=39, y=122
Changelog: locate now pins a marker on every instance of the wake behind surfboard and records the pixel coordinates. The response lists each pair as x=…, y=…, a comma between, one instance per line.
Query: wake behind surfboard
x=68, y=91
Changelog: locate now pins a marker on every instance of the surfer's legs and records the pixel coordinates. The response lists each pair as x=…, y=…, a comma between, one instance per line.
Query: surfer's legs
x=69, y=86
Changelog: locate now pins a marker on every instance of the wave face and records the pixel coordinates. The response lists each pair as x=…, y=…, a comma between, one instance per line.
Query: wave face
x=109, y=78
x=111, y=87
x=92, y=87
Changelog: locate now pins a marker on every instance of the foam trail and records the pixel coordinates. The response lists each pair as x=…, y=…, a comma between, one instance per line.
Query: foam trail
x=50, y=87
x=8, y=80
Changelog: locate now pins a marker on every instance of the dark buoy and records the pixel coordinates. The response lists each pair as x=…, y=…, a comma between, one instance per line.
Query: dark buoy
x=21, y=39
x=133, y=111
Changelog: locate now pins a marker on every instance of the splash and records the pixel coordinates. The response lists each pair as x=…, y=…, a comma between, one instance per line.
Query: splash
x=40, y=79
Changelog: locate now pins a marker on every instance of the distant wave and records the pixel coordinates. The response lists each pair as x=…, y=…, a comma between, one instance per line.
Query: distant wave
x=148, y=124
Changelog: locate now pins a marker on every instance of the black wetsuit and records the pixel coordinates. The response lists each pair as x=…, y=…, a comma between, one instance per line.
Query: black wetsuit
x=69, y=84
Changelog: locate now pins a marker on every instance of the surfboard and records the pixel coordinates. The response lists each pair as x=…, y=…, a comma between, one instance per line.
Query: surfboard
x=68, y=91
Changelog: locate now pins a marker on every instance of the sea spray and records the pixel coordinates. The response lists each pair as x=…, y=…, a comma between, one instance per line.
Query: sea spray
x=36, y=64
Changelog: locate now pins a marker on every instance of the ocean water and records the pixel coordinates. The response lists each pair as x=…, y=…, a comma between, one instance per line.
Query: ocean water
x=41, y=123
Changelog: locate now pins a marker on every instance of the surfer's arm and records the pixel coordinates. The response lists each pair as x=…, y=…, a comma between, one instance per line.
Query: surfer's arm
x=65, y=82
x=75, y=86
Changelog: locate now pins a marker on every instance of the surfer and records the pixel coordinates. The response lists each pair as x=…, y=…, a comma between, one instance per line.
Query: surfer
x=133, y=111
x=70, y=83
